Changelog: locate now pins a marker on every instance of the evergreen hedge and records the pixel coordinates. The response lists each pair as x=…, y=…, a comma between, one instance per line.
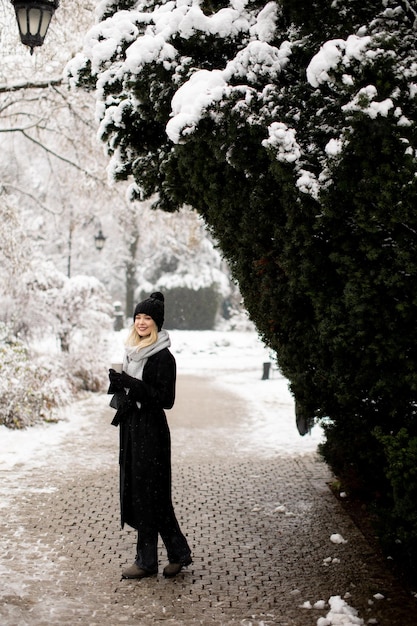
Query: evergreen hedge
x=190, y=309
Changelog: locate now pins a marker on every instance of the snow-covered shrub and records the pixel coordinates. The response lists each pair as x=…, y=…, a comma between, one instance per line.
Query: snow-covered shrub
x=180, y=258
x=87, y=370
x=79, y=313
x=30, y=391
x=82, y=309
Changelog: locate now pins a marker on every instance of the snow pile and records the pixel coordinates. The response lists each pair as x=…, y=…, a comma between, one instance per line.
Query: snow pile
x=265, y=27
x=332, y=54
x=196, y=95
x=225, y=23
x=308, y=183
x=331, y=63
x=105, y=38
x=283, y=140
x=334, y=147
x=364, y=101
x=146, y=50
x=258, y=61
x=340, y=614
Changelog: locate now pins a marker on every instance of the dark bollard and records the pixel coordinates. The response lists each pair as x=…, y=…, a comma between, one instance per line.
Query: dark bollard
x=267, y=367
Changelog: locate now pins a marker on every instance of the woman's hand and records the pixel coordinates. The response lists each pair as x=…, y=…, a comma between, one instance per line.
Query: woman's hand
x=124, y=381
x=128, y=381
x=115, y=381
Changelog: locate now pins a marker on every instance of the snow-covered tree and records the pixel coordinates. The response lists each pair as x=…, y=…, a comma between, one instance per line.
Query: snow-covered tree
x=291, y=128
x=177, y=256
x=54, y=196
x=40, y=303
x=53, y=166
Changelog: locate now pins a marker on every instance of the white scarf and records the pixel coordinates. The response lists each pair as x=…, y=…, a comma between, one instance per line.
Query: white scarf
x=134, y=360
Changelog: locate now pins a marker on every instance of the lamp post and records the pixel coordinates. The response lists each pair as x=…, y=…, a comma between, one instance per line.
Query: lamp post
x=99, y=240
x=33, y=19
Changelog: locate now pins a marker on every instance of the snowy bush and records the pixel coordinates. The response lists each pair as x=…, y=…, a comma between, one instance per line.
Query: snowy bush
x=51, y=329
x=87, y=368
x=82, y=307
x=36, y=383
x=30, y=391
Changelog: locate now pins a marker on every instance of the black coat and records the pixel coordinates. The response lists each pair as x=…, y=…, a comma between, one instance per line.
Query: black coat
x=145, y=446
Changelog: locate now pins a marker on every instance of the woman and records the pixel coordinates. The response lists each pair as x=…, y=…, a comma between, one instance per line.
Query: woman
x=142, y=391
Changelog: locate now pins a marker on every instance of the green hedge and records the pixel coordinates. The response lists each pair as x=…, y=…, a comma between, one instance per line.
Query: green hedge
x=397, y=514
x=190, y=309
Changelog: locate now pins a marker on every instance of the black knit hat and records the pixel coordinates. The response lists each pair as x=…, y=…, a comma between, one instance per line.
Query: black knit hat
x=153, y=306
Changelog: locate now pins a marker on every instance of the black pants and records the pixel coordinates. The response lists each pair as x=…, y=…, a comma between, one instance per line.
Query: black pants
x=178, y=550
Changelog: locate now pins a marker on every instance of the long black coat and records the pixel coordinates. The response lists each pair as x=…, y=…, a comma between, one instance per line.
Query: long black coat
x=145, y=446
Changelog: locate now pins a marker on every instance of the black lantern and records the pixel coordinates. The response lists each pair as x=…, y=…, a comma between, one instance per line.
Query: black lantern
x=99, y=240
x=33, y=18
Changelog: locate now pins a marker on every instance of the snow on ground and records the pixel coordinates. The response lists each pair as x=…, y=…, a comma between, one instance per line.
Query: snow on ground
x=27, y=449
x=233, y=360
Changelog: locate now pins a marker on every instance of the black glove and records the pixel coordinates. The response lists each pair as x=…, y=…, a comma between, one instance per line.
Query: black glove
x=115, y=381
x=136, y=387
x=128, y=381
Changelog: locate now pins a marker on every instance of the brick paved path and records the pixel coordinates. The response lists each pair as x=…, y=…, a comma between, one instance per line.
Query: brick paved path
x=259, y=524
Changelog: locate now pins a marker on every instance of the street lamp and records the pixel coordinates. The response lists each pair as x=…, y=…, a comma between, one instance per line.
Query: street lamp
x=33, y=19
x=99, y=240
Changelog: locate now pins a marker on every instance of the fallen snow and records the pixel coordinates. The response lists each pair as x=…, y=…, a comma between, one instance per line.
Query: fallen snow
x=333, y=53
x=341, y=614
x=234, y=360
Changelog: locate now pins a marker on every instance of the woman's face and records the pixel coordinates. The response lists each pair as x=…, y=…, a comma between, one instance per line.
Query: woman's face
x=144, y=324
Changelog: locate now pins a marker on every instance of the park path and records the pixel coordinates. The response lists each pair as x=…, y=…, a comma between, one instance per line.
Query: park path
x=259, y=524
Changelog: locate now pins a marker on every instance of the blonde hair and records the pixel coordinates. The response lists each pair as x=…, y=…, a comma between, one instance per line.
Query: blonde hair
x=134, y=339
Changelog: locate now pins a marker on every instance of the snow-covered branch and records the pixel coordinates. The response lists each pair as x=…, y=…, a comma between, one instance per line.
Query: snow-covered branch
x=38, y=84
x=410, y=11
x=19, y=190
x=60, y=156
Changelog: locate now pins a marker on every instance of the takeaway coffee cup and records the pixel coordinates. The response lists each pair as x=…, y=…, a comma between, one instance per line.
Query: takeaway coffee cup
x=117, y=366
